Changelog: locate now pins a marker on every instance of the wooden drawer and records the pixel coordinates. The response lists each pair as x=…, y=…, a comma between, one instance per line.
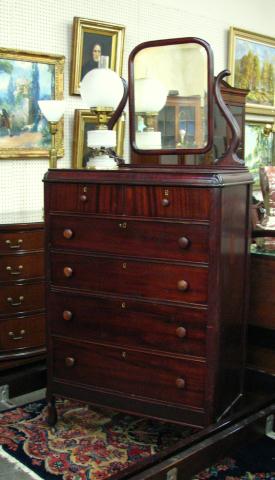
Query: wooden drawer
x=86, y=198
x=22, y=332
x=133, y=277
x=158, y=377
x=22, y=298
x=154, y=239
x=174, y=202
x=137, y=324
x=11, y=242
x=23, y=266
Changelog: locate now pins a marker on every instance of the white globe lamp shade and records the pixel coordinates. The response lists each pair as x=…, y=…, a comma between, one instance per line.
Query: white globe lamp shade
x=101, y=87
x=150, y=95
x=52, y=109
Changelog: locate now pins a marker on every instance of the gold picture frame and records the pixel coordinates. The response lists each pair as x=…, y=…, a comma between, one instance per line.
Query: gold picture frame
x=27, y=77
x=251, y=62
x=89, y=35
x=83, y=119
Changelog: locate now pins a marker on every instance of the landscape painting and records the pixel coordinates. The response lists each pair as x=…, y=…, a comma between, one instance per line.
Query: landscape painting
x=23, y=81
x=259, y=148
x=252, y=63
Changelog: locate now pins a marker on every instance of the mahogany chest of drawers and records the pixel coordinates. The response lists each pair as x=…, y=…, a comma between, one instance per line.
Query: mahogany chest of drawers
x=146, y=289
x=22, y=294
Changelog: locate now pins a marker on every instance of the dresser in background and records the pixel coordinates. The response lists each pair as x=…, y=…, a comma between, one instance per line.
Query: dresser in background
x=22, y=303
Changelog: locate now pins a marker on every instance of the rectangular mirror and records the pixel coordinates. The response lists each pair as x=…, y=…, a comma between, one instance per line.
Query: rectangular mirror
x=171, y=97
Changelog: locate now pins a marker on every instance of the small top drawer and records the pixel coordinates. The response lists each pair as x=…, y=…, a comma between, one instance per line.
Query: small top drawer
x=137, y=238
x=102, y=199
x=12, y=242
x=173, y=202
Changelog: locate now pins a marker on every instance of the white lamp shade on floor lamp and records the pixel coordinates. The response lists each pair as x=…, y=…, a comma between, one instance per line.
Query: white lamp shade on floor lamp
x=52, y=109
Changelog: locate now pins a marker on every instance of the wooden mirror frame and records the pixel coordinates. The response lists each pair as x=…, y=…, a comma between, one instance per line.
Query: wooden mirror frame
x=210, y=84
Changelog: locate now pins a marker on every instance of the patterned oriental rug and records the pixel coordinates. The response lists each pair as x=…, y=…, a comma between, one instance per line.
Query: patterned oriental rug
x=99, y=444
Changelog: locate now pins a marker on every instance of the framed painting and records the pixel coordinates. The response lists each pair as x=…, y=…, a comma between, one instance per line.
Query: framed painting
x=84, y=121
x=252, y=66
x=25, y=78
x=91, y=40
x=259, y=147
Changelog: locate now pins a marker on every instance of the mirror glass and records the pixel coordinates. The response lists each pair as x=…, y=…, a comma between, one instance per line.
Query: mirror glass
x=171, y=100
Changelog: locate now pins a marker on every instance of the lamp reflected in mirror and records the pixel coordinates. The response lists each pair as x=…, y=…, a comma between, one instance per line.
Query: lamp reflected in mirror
x=52, y=111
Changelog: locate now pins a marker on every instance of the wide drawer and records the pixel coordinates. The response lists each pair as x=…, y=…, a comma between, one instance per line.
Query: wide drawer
x=133, y=323
x=100, y=199
x=11, y=242
x=153, y=376
x=132, y=277
x=154, y=239
x=174, y=202
x=23, y=266
x=22, y=298
x=22, y=332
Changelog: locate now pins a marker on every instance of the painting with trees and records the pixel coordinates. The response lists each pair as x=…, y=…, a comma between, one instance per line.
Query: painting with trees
x=252, y=63
x=25, y=78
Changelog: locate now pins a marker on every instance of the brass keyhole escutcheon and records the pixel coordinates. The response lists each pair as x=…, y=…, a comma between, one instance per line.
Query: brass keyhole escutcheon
x=123, y=305
x=124, y=265
x=124, y=354
x=85, y=189
x=166, y=192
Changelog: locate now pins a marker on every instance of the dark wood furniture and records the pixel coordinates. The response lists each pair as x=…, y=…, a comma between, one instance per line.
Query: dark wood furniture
x=146, y=288
x=22, y=303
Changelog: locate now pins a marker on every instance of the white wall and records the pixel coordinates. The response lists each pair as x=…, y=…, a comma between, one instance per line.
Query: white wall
x=47, y=27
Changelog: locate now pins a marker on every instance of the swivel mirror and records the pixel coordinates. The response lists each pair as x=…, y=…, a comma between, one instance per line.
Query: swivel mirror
x=171, y=96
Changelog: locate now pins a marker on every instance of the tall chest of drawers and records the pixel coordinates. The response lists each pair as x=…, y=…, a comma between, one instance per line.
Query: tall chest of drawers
x=146, y=290
x=22, y=292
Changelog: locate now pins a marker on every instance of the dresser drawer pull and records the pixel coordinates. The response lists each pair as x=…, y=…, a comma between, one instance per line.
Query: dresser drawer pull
x=83, y=198
x=13, y=271
x=19, y=337
x=69, y=362
x=124, y=265
x=16, y=245
x=67, y=233
x=180, y=383
x=182, y=285
x=67, y=315
x=183, y=242
x=165, y=202
x=123, y=225
x=124, y=354
x=68, y=271
x=15, y=303
x=181, y=332
x=123, y=305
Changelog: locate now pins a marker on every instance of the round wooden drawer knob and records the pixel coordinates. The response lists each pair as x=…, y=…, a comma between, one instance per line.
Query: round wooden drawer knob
x=183, y=242
x=67, y=315
x=68, y=271
x=165, y=202
x=181, y=332
x=68, y=233
x=83, y=198
x=69, y=361
x=182, y=285
x=180, y=383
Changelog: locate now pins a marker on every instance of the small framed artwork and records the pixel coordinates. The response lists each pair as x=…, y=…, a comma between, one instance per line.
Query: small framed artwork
x=27, y=77
x=259, y=147
x=84, y=121
x=252, y=66
x=91, y=40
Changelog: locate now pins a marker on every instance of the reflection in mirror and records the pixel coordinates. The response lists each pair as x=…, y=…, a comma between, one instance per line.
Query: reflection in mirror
x=171, y=97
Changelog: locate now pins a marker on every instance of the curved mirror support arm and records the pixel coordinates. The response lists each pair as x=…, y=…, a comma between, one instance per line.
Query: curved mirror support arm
x=230, y=156
x=120, y=107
